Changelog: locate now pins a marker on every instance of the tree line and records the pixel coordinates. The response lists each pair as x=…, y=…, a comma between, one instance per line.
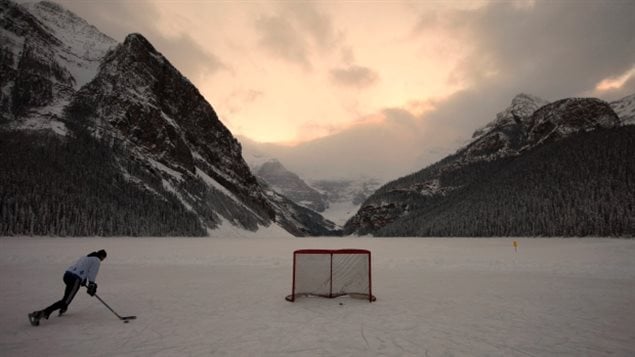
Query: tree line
x=73, y=186
x=579, y=186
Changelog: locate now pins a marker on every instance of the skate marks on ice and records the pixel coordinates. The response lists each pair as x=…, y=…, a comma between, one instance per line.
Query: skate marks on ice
x=434, y=297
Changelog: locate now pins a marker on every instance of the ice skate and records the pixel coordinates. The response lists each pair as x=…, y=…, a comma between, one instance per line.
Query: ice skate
x=34, y=318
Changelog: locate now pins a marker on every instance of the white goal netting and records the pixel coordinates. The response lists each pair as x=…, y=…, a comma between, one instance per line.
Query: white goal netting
x=332, y=273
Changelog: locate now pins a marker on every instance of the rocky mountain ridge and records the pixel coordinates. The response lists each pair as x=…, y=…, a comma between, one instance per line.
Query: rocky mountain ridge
x=158, y=138
x=518, y=131
x=335, y=199
x=48, y=54
x=625, y=109
x=291, y=185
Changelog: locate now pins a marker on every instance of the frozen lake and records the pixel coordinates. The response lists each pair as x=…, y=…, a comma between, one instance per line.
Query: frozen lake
x=225, y=297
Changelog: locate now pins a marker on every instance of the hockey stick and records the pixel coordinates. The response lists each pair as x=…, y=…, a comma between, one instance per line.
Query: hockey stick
x=123, y=318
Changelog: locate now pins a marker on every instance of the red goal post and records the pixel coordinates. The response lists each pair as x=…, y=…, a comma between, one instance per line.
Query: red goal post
x=332, y=273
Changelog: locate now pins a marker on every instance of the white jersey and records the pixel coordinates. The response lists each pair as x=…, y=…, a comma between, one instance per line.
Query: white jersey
x=86, y=268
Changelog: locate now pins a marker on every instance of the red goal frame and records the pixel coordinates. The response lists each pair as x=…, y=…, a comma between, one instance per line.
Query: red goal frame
x=331, y=252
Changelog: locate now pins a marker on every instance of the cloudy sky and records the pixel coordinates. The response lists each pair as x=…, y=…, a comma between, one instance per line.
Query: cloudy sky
x=391, y=84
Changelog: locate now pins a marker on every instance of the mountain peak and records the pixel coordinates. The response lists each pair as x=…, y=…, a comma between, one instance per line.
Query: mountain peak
x=525, y=164
x=522, y=106
x=164, y=163
x=568, y=116
x=52, y=8
x=79, y=36
x=137, y=39
x=527, y=97
x=81, y=45
x=272, y=164
x=291, y=185
x=51, y=5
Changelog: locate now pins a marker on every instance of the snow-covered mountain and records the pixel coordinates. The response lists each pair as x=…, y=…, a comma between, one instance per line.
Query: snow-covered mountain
x=530, y=120
x=290, y=185
x=84, y=45
x=504, y=135
x=522, y=107
x=48, y=54
x=625, y=109
x=337, y=199
x=530, y=154
x=159, y=138
x=345, y=196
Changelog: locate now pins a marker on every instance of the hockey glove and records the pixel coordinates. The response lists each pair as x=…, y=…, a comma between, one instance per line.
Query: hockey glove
x=91, y=289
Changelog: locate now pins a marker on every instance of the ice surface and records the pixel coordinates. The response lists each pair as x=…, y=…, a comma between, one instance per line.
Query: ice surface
x=224, y=296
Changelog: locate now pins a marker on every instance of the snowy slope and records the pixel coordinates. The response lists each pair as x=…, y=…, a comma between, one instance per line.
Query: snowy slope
x=494, y=153
x=161, y=132
x=58, y=53
x=290, y=185
x=225, y=297
x=522, y=107
x=336, y=199
x=83, y=45
x=345, y=196
x=625, y=109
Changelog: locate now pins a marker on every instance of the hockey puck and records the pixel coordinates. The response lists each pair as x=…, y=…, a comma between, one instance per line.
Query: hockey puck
x=125, y=321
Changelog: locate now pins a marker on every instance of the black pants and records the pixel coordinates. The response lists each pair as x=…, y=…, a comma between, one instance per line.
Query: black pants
x=73, y=282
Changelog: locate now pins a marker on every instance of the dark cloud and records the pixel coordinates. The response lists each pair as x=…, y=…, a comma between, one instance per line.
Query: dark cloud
x=279, y=37
x=393, y=143
x=457, y=117
x=554, y=49
x=402, y=118
x=354, y=76
x=315, y=23
x=295, y=31
x=373, y=150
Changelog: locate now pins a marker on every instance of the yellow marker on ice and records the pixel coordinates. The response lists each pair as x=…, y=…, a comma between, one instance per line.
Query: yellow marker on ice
x=515, y=246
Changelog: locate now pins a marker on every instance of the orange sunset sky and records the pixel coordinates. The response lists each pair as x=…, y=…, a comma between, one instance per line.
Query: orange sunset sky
x=405, y=78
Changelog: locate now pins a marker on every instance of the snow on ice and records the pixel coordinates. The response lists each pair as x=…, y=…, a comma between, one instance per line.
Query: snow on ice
x=224, y=296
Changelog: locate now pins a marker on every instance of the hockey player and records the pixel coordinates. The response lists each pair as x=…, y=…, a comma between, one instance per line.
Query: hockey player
x=82, y=273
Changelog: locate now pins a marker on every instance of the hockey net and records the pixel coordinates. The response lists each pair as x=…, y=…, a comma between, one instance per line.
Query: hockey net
x=332, y=273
